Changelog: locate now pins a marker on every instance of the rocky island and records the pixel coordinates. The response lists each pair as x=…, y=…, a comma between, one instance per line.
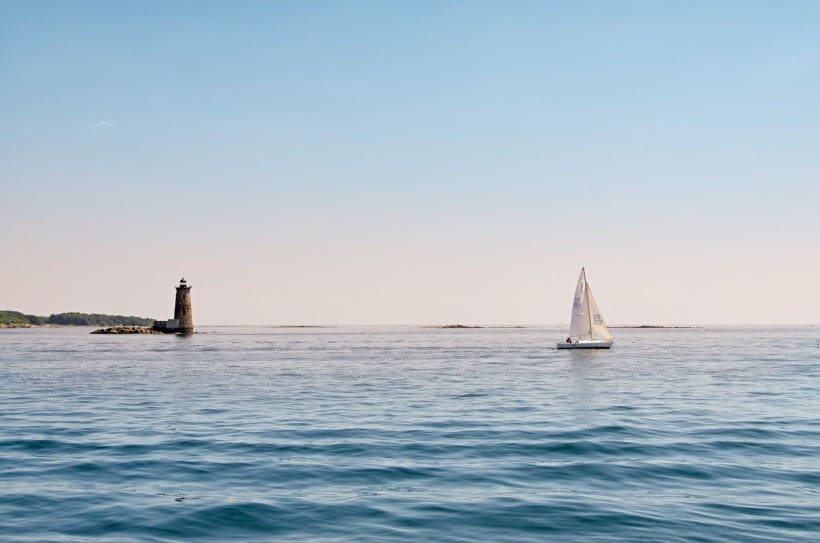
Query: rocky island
x=181, y=324
x=126, y=330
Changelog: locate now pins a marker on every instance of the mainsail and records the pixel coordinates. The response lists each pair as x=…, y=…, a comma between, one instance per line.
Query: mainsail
x=587, y=321
x=579, y=325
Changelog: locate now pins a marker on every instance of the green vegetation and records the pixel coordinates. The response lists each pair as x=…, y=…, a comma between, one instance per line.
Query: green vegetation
x=97, y=319
x=15, y=318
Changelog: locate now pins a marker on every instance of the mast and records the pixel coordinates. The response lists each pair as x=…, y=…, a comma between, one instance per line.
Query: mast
x=586, y=295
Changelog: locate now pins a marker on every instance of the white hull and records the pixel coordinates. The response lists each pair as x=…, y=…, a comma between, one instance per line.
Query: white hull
x=585, y=344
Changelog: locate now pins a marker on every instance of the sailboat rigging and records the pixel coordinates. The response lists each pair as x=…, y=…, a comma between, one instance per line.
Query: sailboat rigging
x=587, y=329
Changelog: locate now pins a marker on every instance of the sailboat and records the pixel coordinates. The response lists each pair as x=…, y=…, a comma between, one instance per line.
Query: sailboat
x=587, y=329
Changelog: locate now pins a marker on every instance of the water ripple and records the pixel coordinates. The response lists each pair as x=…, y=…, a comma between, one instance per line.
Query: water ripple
x=406, y=434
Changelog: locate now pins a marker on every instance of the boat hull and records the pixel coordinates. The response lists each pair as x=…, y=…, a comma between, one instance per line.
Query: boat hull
x=585, y=345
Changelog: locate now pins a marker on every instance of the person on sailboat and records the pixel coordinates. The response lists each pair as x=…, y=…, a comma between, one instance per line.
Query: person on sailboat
x=569, y=339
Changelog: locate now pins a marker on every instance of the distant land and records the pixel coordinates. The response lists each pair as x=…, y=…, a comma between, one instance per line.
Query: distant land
x=460, y=326
x=653, y=326
x=302, y=326
x=16, y=319
x=463, y=326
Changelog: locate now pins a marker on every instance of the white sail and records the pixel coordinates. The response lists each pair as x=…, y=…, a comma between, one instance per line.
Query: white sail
x=579, y=326
x=587, y=328
x=598, y=329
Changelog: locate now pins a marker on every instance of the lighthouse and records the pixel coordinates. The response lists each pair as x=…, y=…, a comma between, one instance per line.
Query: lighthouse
x=182, y=308
x=183, y=321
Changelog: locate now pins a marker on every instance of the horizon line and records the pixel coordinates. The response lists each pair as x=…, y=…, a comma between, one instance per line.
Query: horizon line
x=507, y=325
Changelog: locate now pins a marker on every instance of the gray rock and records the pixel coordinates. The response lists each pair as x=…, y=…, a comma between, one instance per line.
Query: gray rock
x=126, y=330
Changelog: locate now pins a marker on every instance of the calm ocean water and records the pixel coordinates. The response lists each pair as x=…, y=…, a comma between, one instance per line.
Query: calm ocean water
x=409, y=434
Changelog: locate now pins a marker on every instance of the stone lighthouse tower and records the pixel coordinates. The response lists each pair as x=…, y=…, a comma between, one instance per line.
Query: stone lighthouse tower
x=182, y=308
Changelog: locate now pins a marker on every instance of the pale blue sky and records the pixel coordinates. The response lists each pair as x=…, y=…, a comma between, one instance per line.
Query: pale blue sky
x=416, y=162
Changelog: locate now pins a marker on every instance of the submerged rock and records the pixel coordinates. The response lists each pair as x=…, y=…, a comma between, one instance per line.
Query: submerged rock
x=126, y=330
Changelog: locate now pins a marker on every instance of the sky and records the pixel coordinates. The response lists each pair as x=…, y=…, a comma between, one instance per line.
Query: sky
x=412, y=162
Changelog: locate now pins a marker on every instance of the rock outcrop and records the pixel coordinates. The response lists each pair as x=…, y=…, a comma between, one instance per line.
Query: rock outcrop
x=126, y=330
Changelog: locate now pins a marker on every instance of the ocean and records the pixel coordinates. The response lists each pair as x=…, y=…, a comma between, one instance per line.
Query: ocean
x=410, y=434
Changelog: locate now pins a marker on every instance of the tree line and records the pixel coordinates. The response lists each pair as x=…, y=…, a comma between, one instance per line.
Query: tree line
x=73, y=319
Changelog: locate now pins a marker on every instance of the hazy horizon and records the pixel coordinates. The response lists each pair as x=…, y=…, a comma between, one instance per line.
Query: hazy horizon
x=426, y=163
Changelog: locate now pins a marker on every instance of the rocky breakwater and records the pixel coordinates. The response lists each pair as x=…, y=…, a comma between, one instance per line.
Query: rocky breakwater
x=126, y=330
